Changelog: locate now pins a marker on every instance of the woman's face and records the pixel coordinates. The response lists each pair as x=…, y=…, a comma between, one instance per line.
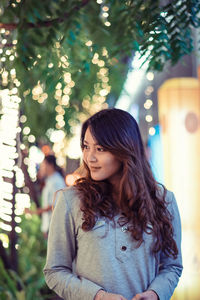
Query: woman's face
x=101, y=163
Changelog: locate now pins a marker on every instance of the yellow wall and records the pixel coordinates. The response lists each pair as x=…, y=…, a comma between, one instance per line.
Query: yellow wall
x=179, y=114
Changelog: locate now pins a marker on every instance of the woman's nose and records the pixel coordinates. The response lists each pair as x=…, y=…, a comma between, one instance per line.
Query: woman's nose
x=92, y=156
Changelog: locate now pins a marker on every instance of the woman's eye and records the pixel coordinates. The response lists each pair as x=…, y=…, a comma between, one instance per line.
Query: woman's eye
x=85, y=147
x=100, y=149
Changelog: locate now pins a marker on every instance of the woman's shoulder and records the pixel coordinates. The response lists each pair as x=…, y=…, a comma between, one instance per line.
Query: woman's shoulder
x=70, y=197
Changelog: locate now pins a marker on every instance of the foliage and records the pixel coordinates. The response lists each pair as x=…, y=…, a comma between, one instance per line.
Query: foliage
x=28, y=283
x=53, y=39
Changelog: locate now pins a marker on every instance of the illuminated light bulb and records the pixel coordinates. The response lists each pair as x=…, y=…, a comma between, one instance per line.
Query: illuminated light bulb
x=148, y=118
x=71, y=84
x=26, y=160
x=37, y=90
x=63, y=59
x=65, y=100
x=5, y=217
x=58, y=108
x=13, y=72
x=82, y=117
x=101, y=63
x=71, y=178
x=27, y=92
x=7, y=174
x=95, y=61
x=11, y=58
x=17, y=83
x=150, y=76
x=61, y=123
x=62, y=112
x=149, y=90
x=148, y=103
x=5, y=240
x=105, y=8
x=4, y=74
x=152, y=131
x=65, y=65
x=67, y=77
x=44, y=96
x=86, y=104
x=5, y=227
x=6, y=205
x=58, y=93
x=105, y=79
x=8, y=196
x=103, y=71
x=59, y=118
x=18, y=229
x=26, y=130
x=41, y=100
x=22, y=147
x=59, y=86
x=31, y=138
x=107, y=24
x=96, y=56
x=35, y=97
x=50, y=65
x=8, y=52
x=103, y=92
x=23, y=200
x=105, y=14
x=88, y=43
x=67, y=90
x=104, y=52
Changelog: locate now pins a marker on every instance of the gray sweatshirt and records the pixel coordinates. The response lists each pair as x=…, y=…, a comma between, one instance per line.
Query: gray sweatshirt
x=81, y=263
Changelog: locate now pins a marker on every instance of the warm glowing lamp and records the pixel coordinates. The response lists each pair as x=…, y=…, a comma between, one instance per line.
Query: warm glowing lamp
x=179, y=114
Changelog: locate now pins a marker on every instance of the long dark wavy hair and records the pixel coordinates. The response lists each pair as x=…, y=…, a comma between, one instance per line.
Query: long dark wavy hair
x=141, y=201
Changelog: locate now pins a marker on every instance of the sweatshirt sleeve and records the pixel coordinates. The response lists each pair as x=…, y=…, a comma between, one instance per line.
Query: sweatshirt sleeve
x=61, y=251
x=170, y=269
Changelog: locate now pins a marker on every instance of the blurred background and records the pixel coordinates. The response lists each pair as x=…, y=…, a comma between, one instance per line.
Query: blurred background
x=62, y=61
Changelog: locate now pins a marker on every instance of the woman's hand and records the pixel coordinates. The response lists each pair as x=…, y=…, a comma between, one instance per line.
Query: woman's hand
x=148, y=295
x=102, y=295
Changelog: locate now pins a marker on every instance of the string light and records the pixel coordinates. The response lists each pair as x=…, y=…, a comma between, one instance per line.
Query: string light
x=150, y=76
x=149, y=118
x=148, y=103
x=9, y=154
x=152, y=131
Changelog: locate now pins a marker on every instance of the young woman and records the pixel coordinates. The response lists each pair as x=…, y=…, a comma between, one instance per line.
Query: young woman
x=116, y=234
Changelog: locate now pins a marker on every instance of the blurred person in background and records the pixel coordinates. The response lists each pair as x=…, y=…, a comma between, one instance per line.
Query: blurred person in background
x=53, y=178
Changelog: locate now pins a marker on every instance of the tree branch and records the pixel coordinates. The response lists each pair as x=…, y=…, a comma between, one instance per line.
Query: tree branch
x=13, y=26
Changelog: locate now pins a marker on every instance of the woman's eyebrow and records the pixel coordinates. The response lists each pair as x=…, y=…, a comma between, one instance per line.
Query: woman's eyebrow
x=84, y=141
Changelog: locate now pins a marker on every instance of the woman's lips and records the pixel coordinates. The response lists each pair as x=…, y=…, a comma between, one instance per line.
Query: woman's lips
x=93, y=169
